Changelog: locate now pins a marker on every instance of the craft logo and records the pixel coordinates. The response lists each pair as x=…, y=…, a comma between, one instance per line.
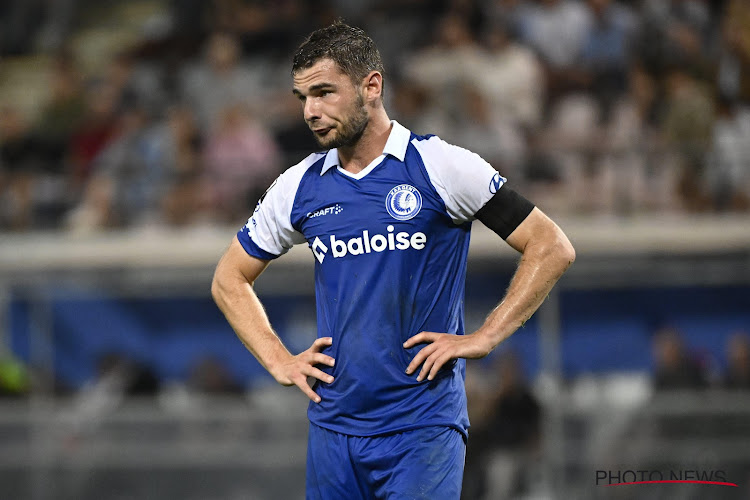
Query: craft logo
x=403, y=202
x=672, y=476
x=332, y=210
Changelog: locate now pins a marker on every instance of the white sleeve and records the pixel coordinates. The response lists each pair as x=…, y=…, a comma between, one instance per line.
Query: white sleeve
x=463, y=179
x=269, y=232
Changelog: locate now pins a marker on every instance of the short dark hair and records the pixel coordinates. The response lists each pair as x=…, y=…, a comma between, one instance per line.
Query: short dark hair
x=349, y=47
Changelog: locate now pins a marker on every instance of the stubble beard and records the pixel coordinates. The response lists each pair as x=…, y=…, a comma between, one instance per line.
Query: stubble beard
x=351, y=130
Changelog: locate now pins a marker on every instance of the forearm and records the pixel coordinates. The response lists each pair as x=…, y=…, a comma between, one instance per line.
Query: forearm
x=541, y=266
x=236, y=298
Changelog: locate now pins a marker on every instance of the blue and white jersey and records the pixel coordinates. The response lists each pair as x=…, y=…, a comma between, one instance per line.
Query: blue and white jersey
x=390, y=246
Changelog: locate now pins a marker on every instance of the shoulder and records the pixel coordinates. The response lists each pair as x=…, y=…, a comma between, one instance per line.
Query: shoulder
x=461, y=177
x=312, y=161
x=291, y=178
x=441, y=155
x=283, y=190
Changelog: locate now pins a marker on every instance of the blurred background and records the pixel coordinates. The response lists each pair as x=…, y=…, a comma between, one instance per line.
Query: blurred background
x=136, y=136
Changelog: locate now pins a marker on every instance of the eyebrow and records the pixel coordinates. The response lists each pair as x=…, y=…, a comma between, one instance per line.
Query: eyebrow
x=313, y=88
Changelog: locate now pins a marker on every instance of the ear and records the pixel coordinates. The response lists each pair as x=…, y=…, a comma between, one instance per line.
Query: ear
x=373, y=86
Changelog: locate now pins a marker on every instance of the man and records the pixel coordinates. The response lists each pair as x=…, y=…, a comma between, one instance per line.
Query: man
x=387, y=215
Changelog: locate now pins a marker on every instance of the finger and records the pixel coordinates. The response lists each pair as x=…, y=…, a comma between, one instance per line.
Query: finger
x=419, y=359
x=439, y=363
x=307, y=390
x=321, y=343
x=419, y=338
x=426, y=366
x=318, y=374
x=323, y=359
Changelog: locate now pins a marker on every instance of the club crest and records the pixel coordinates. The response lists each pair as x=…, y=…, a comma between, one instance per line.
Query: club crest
x=403, y=202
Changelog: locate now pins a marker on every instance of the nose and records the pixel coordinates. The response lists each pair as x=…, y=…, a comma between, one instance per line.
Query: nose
x=312, y=109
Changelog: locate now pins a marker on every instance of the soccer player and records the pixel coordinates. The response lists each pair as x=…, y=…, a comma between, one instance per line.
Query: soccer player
x=387, y=215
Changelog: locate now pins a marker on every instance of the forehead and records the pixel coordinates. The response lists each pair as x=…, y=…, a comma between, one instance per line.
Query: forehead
x=323, y=71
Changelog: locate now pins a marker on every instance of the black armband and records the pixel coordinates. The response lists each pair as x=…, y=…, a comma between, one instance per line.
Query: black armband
x=505, y=211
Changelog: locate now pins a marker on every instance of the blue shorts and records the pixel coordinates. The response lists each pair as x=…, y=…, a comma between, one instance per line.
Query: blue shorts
x=422, y=463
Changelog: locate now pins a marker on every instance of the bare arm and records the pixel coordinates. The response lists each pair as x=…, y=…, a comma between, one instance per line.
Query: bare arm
x=232, y=290
x=546, y=254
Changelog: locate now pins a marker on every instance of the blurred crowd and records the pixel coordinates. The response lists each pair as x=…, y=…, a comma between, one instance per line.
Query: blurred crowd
x=677, y=367
x=587, y=106
x=506, y=446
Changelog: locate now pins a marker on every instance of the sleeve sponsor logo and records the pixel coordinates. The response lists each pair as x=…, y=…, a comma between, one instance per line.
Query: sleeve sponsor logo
x=251, y=224
x=497, y=181
x=263, y=196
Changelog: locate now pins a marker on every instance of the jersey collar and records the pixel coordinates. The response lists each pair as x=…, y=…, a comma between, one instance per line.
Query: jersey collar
x=396, y=145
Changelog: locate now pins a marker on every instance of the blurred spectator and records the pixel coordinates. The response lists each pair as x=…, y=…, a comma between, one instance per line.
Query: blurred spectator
x=119, y=374
x=241, y=159
x=443, y=66
x=605, y=55
x=220, y=80
x=543, y=177
x=52, y=132
x=687, y=124
x=210, y=376
x=97, y=128
x=674, y=31
x=609, y=98
x=18, y=168
x=511, y=78
x=728, y=162
x=253, y=21
x=136, y=82
x=738, y=362
x=573, y=142
x=126, y=186
x=190, y=18
x=509, y=13
x=557, y=30
x=397, y=24
x=178, y=145
x=505, y=435
x=478, y=129
x=149, y=173
x=291, y=133
x=121, y=186
x=674, y=367
x=415, y=107
x=733, y=72
x=271, y=27
x=640, y=177
x=20, y=22
x=62, y=113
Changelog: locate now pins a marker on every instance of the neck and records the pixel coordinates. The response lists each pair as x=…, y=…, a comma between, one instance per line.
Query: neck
x=357, y=157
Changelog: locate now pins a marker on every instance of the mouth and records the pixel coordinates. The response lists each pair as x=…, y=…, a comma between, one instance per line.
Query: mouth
x=321, y=131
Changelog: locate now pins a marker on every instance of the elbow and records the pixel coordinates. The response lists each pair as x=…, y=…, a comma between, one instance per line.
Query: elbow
x=557, y=251
x=226, y=284
x=564, y=252
x=218, y=290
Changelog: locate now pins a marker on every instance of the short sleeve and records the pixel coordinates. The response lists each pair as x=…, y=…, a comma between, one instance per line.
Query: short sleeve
x=269, y=233
x=463, y=179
